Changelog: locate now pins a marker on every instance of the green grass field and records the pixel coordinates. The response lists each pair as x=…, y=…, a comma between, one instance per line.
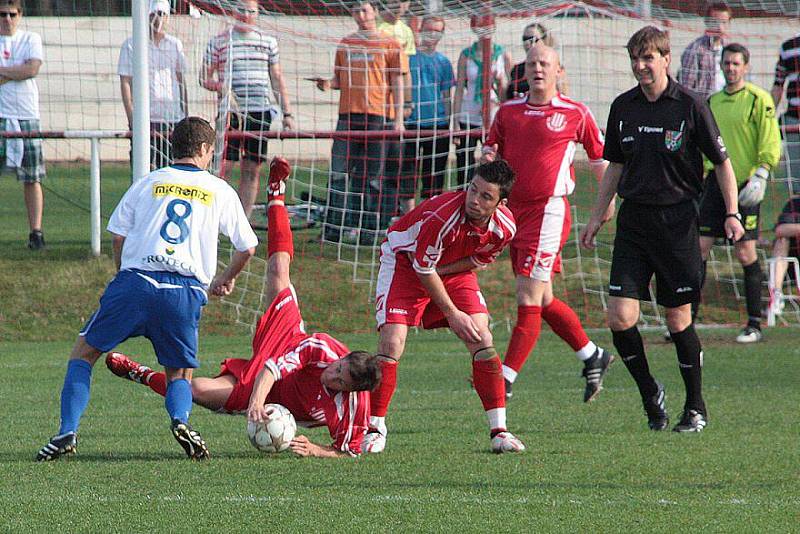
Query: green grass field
x=587, y=466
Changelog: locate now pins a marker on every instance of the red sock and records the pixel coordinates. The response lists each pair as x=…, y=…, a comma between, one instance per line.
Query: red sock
x=158, y=383
x=524, y=336
x=487, y=377
x=380, y=397
x=279, y=233
x=565, y=323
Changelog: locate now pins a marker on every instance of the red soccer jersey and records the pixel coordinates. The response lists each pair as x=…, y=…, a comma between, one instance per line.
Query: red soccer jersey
x=539, y=143
x=438, y=232
x=298, y=387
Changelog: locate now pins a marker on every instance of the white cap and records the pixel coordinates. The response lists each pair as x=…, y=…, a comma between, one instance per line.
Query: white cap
x=159, y=5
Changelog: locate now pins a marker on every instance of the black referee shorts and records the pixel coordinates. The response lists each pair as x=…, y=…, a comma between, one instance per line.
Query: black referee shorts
x=660, y=240
x=712, y=213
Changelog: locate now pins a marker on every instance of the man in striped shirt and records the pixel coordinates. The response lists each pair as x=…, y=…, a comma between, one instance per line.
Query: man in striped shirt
x=243, y=66
x=316, y=377
x=427, y=275
x=787, y=73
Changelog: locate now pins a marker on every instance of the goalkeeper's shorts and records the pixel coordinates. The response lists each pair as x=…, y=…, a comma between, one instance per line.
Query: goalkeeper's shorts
x=712, y=213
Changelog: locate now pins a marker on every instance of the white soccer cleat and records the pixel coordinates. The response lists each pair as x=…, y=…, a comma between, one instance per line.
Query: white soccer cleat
x=373, y=442
x=506, y=442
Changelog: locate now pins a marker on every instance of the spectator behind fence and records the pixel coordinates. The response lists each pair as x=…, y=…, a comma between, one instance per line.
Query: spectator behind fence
x=468, y=99
x=432, y=82
x=167, y=65
x=368, y=72
x=787, y=72
x=700, y=61
x=242, y=65
x=20, y=61
x=532, y=34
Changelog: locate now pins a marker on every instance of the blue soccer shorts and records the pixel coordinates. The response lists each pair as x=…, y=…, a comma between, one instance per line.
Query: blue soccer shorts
x=162, y=306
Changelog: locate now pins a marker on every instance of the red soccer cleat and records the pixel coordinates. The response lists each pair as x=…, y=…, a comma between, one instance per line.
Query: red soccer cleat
x=279, y=170
x=124, y=367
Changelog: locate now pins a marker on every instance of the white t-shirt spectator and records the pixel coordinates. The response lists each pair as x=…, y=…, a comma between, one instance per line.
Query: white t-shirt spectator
x=20, y=99
x=171, y=220
x=166, y=60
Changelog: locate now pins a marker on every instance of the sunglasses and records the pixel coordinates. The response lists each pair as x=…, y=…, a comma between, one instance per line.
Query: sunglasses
x=8, y=15
x=533, y=38
x=248, y=11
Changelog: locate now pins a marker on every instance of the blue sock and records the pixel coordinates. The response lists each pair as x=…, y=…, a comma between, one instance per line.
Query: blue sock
x=178, y=400
x=75, y=394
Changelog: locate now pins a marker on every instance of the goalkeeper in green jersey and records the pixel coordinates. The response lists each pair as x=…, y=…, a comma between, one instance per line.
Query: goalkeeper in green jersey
x=745, y=114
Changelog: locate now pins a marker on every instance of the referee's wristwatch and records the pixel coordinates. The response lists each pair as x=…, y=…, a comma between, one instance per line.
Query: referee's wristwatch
x=737, y=216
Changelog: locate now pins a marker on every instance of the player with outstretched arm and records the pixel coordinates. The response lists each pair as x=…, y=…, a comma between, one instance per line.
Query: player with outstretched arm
x=165, y=229
x=427, y=275
x=315, y=376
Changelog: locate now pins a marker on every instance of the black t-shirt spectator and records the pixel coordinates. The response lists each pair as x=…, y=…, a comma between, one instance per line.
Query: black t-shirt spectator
x=518, y=84
x=661, y=145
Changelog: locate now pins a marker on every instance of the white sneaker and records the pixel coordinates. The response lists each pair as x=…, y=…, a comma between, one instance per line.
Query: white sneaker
x=749, y=335
x=506, y=442
x=373, y=442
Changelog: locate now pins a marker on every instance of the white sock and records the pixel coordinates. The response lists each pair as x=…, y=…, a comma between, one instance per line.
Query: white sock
x=378, y=423
x=509, y=374
x=586, y=352
x=497, y=418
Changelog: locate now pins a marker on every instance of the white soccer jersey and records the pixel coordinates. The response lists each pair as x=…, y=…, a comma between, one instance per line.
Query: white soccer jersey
x=171, y=220
x=165, y=60
x=19, y=99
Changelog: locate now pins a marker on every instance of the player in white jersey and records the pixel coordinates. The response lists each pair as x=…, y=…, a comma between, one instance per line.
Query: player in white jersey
x=316, y=377
x=538, y=135
x=165, y=232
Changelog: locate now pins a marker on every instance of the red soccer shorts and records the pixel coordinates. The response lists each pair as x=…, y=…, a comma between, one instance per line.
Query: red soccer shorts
x=401, y=298
x=278, y=330
x=542, y=230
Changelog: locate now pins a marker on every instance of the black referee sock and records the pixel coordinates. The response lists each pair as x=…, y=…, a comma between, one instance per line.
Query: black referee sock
x=696, y=304
x=753, y=277
x=690, y=360
x=631, y=349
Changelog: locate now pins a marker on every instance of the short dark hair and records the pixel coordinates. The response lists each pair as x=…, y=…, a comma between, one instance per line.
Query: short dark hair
x=365, y=370
x=498, y=172
x=189, y=135
x=12, y=3
x=717, y=6
x=736, y=48
x=648, y=38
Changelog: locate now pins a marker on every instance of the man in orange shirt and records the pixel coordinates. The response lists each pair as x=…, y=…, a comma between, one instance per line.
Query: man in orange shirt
x=368, y=72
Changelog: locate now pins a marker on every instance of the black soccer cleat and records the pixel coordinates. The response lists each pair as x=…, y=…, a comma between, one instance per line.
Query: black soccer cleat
x=62, y=445
x=509, y=385
x=656, y=410
x=691, y=421
x=190, y=439
x=594, y=369
x=36, y=240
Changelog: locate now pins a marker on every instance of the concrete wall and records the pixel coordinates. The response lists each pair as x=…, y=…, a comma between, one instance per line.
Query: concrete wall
x=80, y=88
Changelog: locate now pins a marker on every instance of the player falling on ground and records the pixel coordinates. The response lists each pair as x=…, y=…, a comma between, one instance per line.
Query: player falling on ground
x=165, y=229
x=315, y=376
x=537, y=135
x=427, y=275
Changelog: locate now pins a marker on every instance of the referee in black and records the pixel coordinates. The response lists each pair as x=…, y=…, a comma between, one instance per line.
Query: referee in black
x=655, y=140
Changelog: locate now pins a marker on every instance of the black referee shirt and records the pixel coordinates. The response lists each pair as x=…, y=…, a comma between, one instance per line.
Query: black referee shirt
x=661, y=144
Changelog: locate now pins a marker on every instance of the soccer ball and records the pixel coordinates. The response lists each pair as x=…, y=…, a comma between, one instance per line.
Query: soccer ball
x=275, y=434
